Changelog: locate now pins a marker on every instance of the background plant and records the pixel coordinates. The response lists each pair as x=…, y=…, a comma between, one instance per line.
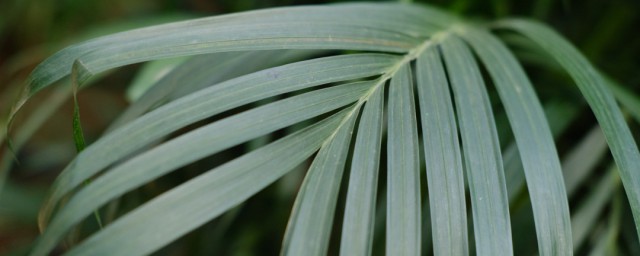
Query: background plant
x=583, y=215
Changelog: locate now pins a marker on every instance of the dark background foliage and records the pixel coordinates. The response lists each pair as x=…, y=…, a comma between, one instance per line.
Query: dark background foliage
x=30, y=30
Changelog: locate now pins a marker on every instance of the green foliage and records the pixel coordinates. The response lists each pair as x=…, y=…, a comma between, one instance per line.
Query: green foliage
x=246, y=99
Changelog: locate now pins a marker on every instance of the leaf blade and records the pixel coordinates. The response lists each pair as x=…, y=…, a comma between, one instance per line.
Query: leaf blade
x=309, y=226
x=198, y=73
x=538, y=153
x=358, y=223
x=370, y=17
x=442, y=157
x=208, y=102
x=195, y=145
x=600, y=99
x=481, y=150
x=211, y=194
x=403, y=177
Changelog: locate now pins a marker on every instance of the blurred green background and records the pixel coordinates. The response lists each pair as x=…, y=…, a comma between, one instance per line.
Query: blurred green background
x=606, y=31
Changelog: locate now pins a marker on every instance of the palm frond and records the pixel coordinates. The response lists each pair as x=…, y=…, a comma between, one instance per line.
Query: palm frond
x=217, y=191
x=483, y=160
x=359, y=213
x=403, y=166
x=535, y=143
x=443, y=159
x=246, y=83
x=598, y=95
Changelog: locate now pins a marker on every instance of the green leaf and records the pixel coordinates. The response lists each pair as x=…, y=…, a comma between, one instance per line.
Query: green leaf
x=403, y=163
x=235, y=97
x=193, y=146
x=19, y=203
x=559, y=115
x=586, y=216
x=78, y=136
x=442, y=157
x=150, y=74
x=481, y=150
x=535, y=142
x=205, y=103
x=629, y=100
x=198, y=73
x=359, y=213
x=375, y=27
x=34, y=121
x=583, y=158
x=600, y=99
x=607, y=243
x=210, y=195
x=309, y=226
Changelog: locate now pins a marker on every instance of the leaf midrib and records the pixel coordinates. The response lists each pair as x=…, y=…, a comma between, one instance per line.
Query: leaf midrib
x=409, y=57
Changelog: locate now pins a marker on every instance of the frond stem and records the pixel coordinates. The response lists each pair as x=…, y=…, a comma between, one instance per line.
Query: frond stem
x=410, y=56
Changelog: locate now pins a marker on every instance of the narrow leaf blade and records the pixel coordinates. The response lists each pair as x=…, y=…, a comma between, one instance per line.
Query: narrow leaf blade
x=195, y=145
x=442, y=157
x=158, y=222
x=482, y=151
x=359, y=215
x=600, y=99
x=205, y=103
x=309, y=226
x=403, y=163
x=535, y=143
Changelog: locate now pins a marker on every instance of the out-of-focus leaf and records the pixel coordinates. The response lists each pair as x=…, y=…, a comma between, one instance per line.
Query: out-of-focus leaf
x=150, y=74
x=583, y=158
x=586, y=216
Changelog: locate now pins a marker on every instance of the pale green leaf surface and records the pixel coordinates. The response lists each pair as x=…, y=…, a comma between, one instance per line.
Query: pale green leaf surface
x=513, y=171
x=369, y=27
x=359, y=213
x=197, y=73
x=629, y=100
x=309, y=227
x=537, y=55
x=379, y=27
x=149, y=74
x=208, y=102
x=535, y=143
x=583, y=158
x=607, y=243
x=559, y=115
x=302, y=35
x=249, y=63
x=483, y=161
x=193, y=146
x=586, y=216
x=196, y=70
x=403, y=163
x=443, y=159
x=159, y=222
x=600, y=99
